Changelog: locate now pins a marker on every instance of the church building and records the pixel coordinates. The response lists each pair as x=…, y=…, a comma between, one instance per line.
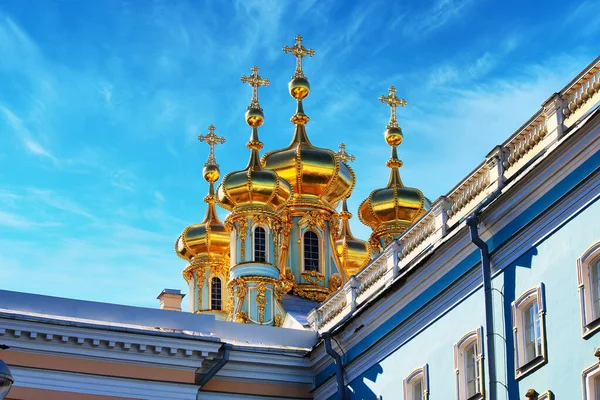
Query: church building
x=491, y=291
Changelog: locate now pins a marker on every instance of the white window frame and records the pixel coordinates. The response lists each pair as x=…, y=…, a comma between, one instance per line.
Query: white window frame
x=589, y=322
x=519, y=306
x=474, y=336
x=421, y=374
x=547, y=395
x=267, y=247
x=321, y=267
x=210, y=287
x=588, y=377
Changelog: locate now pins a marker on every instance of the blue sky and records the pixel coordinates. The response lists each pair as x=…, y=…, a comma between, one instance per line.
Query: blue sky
x=101, y=104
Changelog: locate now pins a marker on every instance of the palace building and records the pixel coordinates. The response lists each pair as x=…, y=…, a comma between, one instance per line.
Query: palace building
x=490, y=291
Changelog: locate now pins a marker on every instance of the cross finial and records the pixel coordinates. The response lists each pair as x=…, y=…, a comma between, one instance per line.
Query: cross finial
x=342, y=156
x=211, y=140
x=299, y=51
x=255, y=81
x=393, y=101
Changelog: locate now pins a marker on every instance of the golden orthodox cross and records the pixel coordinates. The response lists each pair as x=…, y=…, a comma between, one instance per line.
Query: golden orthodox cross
x=256, y=81
x=393, y=101
x=299, y=51
x=211, y=140
x=342, y=156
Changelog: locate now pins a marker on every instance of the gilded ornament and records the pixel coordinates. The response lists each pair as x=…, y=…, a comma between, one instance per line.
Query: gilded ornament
x=242, y=230
x=342, y=156
x=278, y=322
x=299, y=51
x=261, y=301
x=393, y=133
x=211, y=139
x=254, y=115
x=288, y=280
x=314, y=277
x=242, y=317
x=335, y=282
x=314, y=219
x=315, y=293
x=200, y=275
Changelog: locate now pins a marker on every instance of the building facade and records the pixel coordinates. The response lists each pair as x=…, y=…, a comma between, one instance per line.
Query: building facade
x=491, y=291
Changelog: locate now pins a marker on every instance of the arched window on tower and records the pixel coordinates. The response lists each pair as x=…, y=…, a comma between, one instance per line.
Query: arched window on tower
x=215, y=294
x=311, y=251
x=260, y=245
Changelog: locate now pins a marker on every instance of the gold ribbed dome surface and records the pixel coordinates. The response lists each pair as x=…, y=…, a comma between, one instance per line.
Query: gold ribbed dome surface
x=208, y=240
x=392, y=209
x=315, y=173
x=353, y=253
x=253, y=187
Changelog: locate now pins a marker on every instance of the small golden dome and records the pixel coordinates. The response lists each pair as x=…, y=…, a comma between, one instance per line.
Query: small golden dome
x=208, y=240
x=254, y=186
x=391, y=210
x=353, y=253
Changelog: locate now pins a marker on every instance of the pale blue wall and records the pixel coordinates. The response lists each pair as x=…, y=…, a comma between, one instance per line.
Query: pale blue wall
x=552, y=262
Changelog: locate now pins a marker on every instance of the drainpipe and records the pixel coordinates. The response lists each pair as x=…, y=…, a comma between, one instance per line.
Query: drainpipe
x=487, y=291
x=339, y=369
x=226, y=347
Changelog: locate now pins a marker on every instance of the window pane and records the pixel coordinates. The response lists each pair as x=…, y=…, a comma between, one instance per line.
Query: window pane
x=417, y=390
x=260, y=245
x=595, y=294
x=215, y=290
x=311, y=251
x=532, y=332
x=472, y=370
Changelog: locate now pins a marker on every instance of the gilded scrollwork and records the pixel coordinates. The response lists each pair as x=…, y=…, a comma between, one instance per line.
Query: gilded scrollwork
x=313, y=219
x=312, y=293
x=335, y=282
x=242, y=234
x=200, y=275
x=314, y=277
x=287, y=280
x=261, y=300
x=242, y=317
x=278, y=322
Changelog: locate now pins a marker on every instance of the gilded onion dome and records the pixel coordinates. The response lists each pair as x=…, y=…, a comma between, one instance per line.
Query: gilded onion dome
x=316, y=175
x=254, y=187
x=391, y=210
x=208, y=240
x=353, y=253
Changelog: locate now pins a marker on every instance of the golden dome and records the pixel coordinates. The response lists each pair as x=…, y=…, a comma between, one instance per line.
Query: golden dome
x=254, y=186
x=315, y=173
x=208, y=240
x=353, y=253
x=391, y=210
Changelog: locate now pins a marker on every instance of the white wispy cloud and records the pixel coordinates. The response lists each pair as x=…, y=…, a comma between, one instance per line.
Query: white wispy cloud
x=25, y=136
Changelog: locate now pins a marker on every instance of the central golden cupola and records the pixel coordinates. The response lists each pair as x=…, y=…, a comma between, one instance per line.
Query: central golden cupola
x=391, y=210
x=318, y=178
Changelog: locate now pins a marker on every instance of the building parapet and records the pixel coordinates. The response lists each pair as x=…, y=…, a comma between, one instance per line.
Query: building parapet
x=540, y=133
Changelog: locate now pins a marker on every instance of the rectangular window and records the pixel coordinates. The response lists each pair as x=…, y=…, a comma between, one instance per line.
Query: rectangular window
x=533, y=334
x=472, y=370
x=468, y=358
x=595, y=288
x=417, y=388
